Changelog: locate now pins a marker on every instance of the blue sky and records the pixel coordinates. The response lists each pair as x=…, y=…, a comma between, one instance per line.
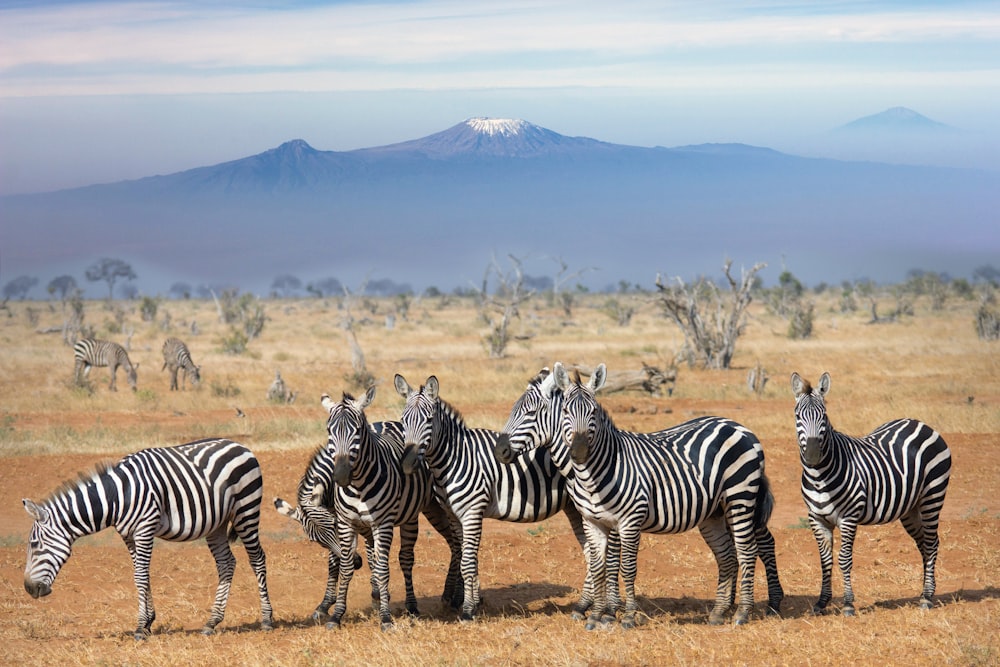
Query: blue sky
x=103, y=91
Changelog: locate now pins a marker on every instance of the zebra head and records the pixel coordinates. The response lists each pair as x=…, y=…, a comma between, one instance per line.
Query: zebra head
x=49, y=547
x=421, y=423
x=533, y=421
x=811, y=423
x=317, y=521
x=581, y=411
x=132, y=375
x=346, y=429
x=194, y=375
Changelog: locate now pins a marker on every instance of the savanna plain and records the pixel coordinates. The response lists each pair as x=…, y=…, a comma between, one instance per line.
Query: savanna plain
x=929, y=365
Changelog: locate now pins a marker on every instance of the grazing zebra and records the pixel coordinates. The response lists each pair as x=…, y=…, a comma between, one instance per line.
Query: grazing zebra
x=90, y=352
x=372, y=497
x=209, y=488
x=473, y=485
x=176, y=356
x=898, y=471
x=711, y=478
x=535, y=421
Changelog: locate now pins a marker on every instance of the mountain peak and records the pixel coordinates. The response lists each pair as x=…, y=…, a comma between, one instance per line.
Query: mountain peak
x=895, y=119
x=507, y=127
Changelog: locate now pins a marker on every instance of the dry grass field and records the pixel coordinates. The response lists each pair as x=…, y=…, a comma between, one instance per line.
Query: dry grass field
x=929, y=365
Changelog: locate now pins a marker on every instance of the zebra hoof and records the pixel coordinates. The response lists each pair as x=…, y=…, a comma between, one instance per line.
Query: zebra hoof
x=740, y=619
x=926, y=604
x=773, y=609
x=388, y=625
x=141, y=635
x=716, y=619
x=333, y=625
x=628, y=623
x=208, y=631
x=266, y=625
x=577, y=615
x=411, y=609
x=818, y=610
x=848, y=611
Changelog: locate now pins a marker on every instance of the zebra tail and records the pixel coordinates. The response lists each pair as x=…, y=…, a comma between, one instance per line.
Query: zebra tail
x=765, y=503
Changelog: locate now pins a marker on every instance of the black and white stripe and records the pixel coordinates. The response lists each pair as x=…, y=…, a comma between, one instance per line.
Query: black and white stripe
x=899, y=471
x=710, y=477
x=361, y=465
x=535, y=421
x=473, y=485
x=90, y=352
x=206, y=489
x=176, y=356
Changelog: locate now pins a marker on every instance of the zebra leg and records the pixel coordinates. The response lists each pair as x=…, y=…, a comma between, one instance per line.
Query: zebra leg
x=173, y=378
x=766, y=552
x=382, y=537
x=451, y=532
x=225, y=564
x=586, y=600
x=597, y=543
x=332, y=577
x=628, y=539
x=472, y=534
x=250, y=537
x=716, y=534
x=745, y=542
x=824, y=540
x=614, y=559
x=140, y=555
x=927, y=541
x=848, y=531
x=113, y=367
x=408, y=533
x=348, y=539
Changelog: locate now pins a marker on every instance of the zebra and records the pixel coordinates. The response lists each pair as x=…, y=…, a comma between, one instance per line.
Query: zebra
x=711, y=478
x=205, y=489
x=534, y=422
x=90, y=352
x=898, y=471
x=372, y=496
x=176, y=356
x=473, y=485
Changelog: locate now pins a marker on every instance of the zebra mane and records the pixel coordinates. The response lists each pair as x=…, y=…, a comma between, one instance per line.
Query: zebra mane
x=82, y=477
x=319, y=451
x=542, y=374
x=806, y=387
x=451, y=412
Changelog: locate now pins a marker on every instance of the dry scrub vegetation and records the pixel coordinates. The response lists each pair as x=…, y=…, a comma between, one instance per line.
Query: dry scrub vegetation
x=930, y=365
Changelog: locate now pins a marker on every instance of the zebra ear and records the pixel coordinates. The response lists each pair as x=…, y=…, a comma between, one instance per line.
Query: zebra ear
x=598, y=378
x=798, y=385
x=327, y=402
x=37, y=512
x=432, y=388
x=547, y=386
x=367, y=399
x=824, y=384
x=560, y=375
x=402, y=386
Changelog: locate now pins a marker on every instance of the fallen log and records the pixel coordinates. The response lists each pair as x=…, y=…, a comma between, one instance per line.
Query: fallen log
x=649, y=379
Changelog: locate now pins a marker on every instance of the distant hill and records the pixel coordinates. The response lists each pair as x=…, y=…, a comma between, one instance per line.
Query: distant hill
x=433, y=210
x=895, y=120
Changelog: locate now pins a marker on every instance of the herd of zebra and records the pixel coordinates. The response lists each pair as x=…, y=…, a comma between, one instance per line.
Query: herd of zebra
x=90, y=352
x=559, y=451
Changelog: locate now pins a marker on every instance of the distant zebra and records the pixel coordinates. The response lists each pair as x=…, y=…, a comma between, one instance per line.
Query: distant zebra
x=176, y=356
x=371, y=496
x=535, y=422
x=206, y=489
x=712, y=478
x=898, y=471
x=473, y=485
x=90, y=352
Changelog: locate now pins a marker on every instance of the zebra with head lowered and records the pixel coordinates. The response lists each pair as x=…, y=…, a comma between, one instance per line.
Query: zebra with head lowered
x=206, y=489
x=372, y=497
x=898, y=471
x=90, y=352
x=712, y=478
x=473, y=485
x=535, y=421
x=176, y=356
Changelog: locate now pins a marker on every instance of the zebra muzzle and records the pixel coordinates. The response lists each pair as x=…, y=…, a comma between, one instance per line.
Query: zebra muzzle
x=503, y=450
x=579, y=447
x=812, y=454
x=37, y=589
x=411, y=456
x=342, y=471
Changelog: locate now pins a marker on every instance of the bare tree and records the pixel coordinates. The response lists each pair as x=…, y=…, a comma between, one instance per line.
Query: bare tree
x=559, y=294
x=361, y=377
x=709, y=320
x=19, y=287
x=501, y=307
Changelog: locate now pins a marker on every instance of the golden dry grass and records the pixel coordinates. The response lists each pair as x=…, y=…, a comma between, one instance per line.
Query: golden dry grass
x=929, y=366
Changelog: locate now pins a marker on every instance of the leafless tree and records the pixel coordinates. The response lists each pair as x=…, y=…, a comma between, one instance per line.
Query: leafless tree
x=710, y=320
x=361, y=376
x=501, y=307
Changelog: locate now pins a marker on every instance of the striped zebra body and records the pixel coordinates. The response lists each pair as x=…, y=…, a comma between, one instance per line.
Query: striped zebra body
x=535, y=421
x=711, y=477
x=472, y=484
x=176, y=357
x=206, y=489
x=899, y=471
x=90, y=352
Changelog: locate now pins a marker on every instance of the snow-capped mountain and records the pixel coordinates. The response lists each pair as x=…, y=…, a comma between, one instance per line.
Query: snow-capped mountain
x=433, y=210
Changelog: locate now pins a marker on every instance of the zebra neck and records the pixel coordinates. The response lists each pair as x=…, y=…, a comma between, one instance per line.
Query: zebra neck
x=93, y=503
x=450, y=430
